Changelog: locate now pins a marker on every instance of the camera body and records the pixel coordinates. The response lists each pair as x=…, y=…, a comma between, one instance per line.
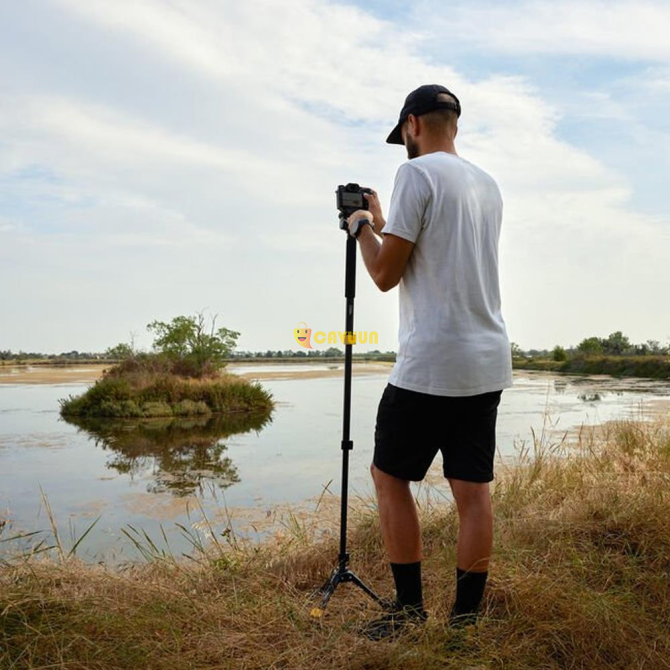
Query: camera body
x=349, y=199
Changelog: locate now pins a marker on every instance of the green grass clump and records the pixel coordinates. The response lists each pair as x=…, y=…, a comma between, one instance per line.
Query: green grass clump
x=578, y=579
x=191, y=408
x=120, y=408
x=156, y=394
x=154, y=409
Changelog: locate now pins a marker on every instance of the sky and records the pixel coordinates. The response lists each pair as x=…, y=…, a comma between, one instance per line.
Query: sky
x=167, y=157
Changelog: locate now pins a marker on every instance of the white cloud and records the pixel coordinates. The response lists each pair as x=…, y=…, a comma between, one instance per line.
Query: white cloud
x=238, y=203
x=6, y=227
x=619, y=29
x=175, y=27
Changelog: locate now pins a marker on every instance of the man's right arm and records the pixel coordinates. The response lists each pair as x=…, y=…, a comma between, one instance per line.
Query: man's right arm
x=384, y=261
x=375, y=208
x=411, y=195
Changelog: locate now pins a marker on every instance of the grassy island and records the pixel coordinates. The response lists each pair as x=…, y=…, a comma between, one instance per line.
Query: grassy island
x=147, y=386
x=182, y=377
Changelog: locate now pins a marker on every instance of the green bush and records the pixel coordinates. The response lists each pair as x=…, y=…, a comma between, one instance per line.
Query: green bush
x=156, y=409
x=72, y=405
x=129, y=408
x=119, y=408
x=559, y=354
x=190, y=408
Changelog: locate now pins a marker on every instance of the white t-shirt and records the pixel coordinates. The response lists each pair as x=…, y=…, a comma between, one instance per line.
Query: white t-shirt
x=453, y=339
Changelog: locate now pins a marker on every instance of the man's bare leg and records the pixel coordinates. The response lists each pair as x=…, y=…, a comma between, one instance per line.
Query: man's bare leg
x=398, y=517
x=402, y=539
x=475, y=530
x=473, y=548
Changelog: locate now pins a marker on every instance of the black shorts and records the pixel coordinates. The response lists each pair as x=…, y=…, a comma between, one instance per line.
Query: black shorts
x=412, y=426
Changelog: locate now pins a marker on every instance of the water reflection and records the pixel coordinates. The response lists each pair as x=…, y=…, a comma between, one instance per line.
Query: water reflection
x=590, y=397
x=560, y=385
x=180, y=454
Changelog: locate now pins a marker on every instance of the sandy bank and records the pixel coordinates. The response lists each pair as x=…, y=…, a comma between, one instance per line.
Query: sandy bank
x=78, y=374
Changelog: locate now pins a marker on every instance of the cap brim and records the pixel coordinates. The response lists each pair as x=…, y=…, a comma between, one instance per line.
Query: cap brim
x=396, y=136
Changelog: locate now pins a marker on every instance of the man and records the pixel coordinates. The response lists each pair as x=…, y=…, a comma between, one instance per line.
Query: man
x=440, y=244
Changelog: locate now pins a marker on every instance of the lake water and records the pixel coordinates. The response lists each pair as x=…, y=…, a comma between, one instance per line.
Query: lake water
x=154, y=477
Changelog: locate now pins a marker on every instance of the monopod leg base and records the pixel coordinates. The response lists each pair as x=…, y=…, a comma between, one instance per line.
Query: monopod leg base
x=366, y=589
x=343, y=575
x=326, y=591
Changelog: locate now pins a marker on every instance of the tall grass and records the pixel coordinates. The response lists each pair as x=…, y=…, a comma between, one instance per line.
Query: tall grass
x=579, y=579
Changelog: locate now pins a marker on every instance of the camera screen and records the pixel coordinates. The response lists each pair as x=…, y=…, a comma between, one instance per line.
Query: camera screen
x=352, y=200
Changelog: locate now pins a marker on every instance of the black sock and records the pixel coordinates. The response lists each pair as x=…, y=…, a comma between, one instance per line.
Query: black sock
x=407, y=578
x=469, y=592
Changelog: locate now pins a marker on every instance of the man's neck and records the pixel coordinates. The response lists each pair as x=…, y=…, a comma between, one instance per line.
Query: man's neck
x=448, y=148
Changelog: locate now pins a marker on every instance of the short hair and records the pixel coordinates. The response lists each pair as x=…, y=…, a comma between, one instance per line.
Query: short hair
x=441, y=121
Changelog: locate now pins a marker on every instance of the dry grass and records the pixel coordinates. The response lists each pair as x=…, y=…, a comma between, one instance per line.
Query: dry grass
x=579, y=579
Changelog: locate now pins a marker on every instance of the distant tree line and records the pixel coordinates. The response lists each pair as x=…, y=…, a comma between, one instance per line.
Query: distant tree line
x=126, y=350
x=615, y=344
x=9, y=355
x=331, y=352
x=187, y=337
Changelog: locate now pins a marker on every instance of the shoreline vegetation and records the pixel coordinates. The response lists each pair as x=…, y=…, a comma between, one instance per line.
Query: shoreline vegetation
x=650, y=367
x=578, y=579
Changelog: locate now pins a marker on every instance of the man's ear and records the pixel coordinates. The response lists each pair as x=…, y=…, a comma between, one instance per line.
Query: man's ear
x=413, y=123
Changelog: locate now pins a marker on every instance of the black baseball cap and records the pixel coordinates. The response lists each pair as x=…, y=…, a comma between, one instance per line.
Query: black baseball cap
x=420, y=101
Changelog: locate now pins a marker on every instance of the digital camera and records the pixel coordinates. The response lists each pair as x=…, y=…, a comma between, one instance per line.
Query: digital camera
x=350, y=198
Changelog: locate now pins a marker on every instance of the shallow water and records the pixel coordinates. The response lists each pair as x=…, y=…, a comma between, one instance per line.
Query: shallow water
x=129, y=474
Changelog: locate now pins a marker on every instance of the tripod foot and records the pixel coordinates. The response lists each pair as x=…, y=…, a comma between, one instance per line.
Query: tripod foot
x=343, y=574
x=326, y=591
x=366, y=589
